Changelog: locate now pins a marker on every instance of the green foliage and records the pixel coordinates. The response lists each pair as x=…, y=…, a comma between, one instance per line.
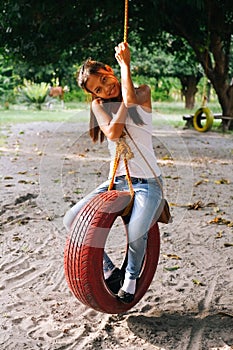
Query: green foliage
x=52, y=36
x=8, y=80
x=42, y=31
x=155, y=67
x=77, y=94
x=33, y=94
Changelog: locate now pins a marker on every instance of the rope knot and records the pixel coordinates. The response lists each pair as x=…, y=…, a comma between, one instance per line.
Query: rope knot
x=122, y=148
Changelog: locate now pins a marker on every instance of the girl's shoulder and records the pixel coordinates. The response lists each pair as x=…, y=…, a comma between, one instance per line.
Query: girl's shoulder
x=143, y=87
x=143, y=93
x=143, y=90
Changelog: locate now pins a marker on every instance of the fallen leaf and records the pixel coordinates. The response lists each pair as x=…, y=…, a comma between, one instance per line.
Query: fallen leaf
x=172, y=256
x=172, y=268
x=198, y=283
x=16, y=238
x=49, y=218
x=56, y=181
x=167, y=157
x=228, y=244
x=216, y=209
x=196, y=205
x=78, y=191
x=200, y=182
x=211, y=204
x=23, y=182
x=24, y=221
x=220, y=221
x=174, y=204
x=219, y=234
x=222, y=181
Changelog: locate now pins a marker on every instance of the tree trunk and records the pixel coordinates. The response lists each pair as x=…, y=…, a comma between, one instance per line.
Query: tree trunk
x=226, y=102
x=189, y=89
x=212, y=46
x=225, y=97
x=216, y=66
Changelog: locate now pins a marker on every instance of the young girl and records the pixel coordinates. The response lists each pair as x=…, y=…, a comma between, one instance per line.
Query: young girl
x=116, y=106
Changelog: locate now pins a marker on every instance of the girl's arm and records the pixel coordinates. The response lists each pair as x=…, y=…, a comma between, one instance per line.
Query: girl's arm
x=131, y=96
x=111, y=127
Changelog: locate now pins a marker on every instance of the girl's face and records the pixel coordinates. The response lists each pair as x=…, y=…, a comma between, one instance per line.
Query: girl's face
x=104, y=84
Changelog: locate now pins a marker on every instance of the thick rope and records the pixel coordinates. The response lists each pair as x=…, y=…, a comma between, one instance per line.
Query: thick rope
x=122, y=149
x=126, y=21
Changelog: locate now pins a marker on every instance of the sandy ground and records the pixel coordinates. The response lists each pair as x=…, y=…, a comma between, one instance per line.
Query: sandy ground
x=45, y=167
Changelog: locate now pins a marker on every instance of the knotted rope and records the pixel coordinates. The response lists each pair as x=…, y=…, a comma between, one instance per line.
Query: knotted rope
x=123, y=150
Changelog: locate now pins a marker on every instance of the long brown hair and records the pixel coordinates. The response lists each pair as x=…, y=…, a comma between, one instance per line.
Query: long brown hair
x=92, y=67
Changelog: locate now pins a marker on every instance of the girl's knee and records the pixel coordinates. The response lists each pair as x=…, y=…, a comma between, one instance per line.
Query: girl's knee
x=67, y=220
x=138, y=243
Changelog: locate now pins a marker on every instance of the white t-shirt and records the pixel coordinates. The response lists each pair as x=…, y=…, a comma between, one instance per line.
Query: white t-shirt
x=142, y=136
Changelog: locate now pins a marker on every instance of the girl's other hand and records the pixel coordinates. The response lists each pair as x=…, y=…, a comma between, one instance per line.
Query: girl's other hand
x=97, y=104
x=97, y=101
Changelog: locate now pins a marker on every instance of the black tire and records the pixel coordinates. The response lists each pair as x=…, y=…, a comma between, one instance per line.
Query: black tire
x=83, y=258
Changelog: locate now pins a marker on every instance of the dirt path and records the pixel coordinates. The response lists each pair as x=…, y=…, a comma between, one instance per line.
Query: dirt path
x=45, y=167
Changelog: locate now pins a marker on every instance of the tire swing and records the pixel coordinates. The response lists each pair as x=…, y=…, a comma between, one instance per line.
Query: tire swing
x=203, y=118
x=83, y=258
x=84, y=249
x=199, y=118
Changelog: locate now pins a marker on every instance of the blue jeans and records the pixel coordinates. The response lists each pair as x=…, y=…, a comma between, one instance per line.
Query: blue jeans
x=147, y=198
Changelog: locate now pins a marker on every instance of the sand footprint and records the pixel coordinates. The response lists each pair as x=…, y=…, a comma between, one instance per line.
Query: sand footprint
x=54, y=334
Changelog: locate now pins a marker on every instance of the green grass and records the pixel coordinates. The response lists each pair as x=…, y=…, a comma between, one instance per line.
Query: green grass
x=164, y=113
x=177, y=108
x=171, y=113
x=19, y=114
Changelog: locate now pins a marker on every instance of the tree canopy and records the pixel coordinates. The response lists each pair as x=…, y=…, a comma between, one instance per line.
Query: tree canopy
x=41, y=32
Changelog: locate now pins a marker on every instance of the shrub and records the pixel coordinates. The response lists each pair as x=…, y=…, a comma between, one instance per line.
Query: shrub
x=34, y=94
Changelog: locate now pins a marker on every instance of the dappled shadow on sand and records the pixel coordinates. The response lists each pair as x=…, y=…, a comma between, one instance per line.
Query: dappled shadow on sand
x=185, y=332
